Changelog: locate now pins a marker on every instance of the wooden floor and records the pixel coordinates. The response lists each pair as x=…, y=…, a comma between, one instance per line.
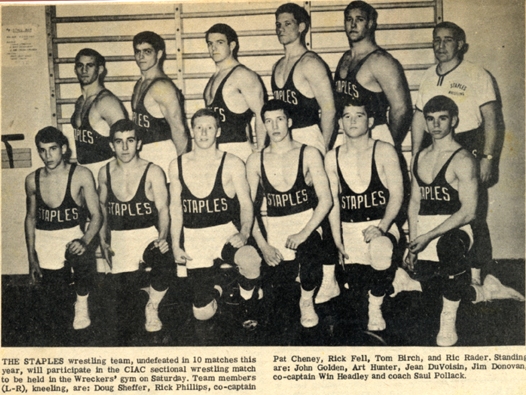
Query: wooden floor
x=33, y=318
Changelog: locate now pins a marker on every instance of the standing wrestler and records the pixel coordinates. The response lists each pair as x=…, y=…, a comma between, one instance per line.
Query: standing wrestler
x=471, y=87
x=95, y=111
x=366, y=185
x=443, y=203
x=157, y=104
x=297, y=202
x=134, y=198
x=235, y=92
x=209, y=192
x=368, y=72
x=303, y=81
x=57, y=195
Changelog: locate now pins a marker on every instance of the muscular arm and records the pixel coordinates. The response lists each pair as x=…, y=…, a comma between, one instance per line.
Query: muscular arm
x=390, y=167
x=160, y=196
x=412, y=215
x=104, y=232
x=489, y=124
x=418, y=129
x=176, y=213
x=334, y=215
x=92, y=203
x=391, y=78
x=253, y=91
x=30, y=226
x=111, y=109
x=239, y=180
x=464, y=168
x=314, y=165
x=316, y=75
x=165, y=95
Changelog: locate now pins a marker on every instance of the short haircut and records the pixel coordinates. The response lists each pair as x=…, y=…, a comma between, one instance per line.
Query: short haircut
x=156, y=41
x=230, y=34
x=299, y=13
x=99, y=59
x=205, y=112
x=274, y=105
x=458, y=34
x=124, y=125
x=50, y=134
x=370, y=11
x=351, y=101
x=441, y=103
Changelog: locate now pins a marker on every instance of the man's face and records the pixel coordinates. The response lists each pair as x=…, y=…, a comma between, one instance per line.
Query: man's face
x=277, y=124
x=357, y=26
x=355, y=122
x=146, y=56
x=87, y=70
x=125, y=145
x=205, y=131
x=445, y=45
x=51, y=154
x=439, y=124
x=287, y=28
x=218, y=47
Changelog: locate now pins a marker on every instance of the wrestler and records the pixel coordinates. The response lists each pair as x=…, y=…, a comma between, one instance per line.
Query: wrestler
x=235, y=92
x=209, y=192
x=57, y=196
x=443, y=204
x=95, y=111
x=134, y=200
x=157, y=104
x=297, y=202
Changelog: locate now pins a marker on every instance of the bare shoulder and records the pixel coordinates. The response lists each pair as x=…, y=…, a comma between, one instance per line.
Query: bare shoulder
x=253, y=162
x=330, y=159
x=312, y=154
x=234, y=165
x=463, y=161
x=156, y=173
x=162, y=86
x=30, y=182
x=383, y=61
x=83, y=174
x=384, y=149
x=107, y=98
x=312, y=62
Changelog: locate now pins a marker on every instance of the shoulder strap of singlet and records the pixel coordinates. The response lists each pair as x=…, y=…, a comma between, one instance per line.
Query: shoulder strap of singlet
x=219, y=176
x=362, y=61
x=446, y=165
x=70, y=177
x=37, y=183
x=373, y=162
x=108, y=178
x=300, y=161
x=340, y=175
x=220, y=87
x=142, y=183
x=291, y=73
x=151, y=84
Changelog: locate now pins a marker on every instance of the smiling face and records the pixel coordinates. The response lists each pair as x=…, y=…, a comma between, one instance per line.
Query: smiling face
x=445, y=45
x=440, y=124
x=146, y=56
x=125, y=145
x=287, y=28
x=51, y=154
x=355, y=122
x=219, y=48
x=357, y=25
x=277, y=125
x=87, y=70
x=205, y=131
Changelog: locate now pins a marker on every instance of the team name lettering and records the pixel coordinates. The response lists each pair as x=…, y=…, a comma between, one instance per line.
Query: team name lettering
x=286, y=95
x=287, y=199
x=83, y=136
x=435, y=193
x=200, y=206
x=456, y=85
x=357, y=202
x=221, y=112
x=129, y=209
x=58, y=216
x=347, y=88
x=142, y=120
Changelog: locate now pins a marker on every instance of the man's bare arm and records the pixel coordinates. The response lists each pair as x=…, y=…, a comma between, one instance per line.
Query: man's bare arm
x=111, y=109
x=334, y=215
x=253, y=91
x=176, y=213
x=316, y=75
x=412, y=216
x=391, y=78
x=418, y=130
x=242, y=190
x=160, y=197
x=104, y=232
x=165, y=95
x=89, y=193
x=30, y=226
